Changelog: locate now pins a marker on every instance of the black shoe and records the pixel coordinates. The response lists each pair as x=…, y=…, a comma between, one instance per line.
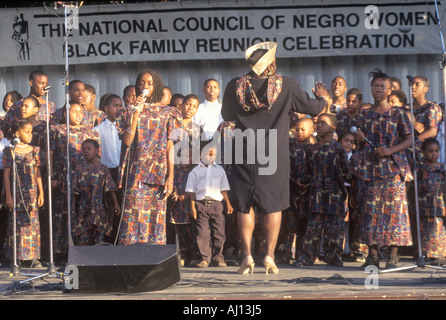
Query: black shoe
x=369, y=262
x=335, y=262
x=392, y=263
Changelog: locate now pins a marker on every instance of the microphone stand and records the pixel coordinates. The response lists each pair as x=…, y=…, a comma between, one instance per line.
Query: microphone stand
x=51, y=266
x=15, y=270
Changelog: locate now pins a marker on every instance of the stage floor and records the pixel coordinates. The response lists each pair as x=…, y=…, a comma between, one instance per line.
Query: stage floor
x=318, y=282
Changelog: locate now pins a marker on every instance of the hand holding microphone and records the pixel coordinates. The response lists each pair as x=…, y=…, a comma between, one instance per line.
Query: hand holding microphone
x=139, y=104
x=360, y=136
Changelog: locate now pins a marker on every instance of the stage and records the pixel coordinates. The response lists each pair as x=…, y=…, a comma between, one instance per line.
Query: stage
x=318, y=282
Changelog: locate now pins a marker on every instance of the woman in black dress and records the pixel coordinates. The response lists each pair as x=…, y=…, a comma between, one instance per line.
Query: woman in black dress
x=261, y=102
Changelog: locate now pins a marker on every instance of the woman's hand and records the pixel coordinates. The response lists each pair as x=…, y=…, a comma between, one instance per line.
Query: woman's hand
x=168, y=188
x=320, y=90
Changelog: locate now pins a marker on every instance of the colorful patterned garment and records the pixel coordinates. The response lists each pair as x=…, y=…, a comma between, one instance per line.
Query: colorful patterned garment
x=60, y=213
x=345, y=122
x=431, y=190
x=14, y=113
x=27, y=213
x=299, y=169
x=180, y=214
x=60, y=117
x=387, y=129
x=336, y=108
x=91, y=183
x=295, y=218
x=328, y=169
x=144, y=171
x=431, y=197
x=385, y=217
x=77, y=136
x=248, y=99
x=99, y=116
x=40, y=137
x=430, y=115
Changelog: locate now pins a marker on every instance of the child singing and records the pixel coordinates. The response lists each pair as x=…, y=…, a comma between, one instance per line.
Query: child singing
x=92, y=185
x=29, y=193
x=328, y=170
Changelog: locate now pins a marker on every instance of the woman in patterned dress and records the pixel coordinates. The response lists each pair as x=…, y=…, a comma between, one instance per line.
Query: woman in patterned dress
x=384, y=169
x=29, y=193
x=148, y=170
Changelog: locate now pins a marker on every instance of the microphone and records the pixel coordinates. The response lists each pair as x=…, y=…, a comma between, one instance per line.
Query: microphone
x=410, y=78
x=15, y=142
x=145, y=93
x=353, y=130
x=47, y=88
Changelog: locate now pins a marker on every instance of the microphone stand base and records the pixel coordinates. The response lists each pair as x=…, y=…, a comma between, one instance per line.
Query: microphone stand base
x=15, y=271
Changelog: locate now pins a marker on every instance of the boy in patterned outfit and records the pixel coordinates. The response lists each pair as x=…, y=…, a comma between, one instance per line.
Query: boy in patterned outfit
x=327, y=172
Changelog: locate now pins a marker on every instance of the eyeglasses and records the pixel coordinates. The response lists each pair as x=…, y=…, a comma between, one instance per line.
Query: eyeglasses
x=382, y=88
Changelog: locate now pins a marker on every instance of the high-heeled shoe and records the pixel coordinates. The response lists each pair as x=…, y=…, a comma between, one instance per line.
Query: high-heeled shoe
x=247, y=266
x=269, y=264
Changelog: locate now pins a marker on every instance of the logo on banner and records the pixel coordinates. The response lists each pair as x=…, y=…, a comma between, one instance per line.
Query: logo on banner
x=21, y=36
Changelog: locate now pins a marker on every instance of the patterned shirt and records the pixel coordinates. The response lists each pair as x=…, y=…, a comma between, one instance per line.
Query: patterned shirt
x=328, y=170
x=26, y=185
x=14, y=113
x=387, y=129
x=431, y=190
x=429, y=114
x=60, y=117
x=345, y=122
x=77, y=136
x=147, y=156
x=91, y=182
x=181, y=209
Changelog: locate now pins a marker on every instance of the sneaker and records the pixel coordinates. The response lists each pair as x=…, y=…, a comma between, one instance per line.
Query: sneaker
x=220, y=263
x=202, y=264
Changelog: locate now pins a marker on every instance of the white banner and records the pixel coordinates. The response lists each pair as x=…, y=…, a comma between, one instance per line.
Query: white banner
x=198, y=31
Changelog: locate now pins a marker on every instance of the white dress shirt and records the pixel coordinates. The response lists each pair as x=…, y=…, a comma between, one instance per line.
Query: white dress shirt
x=208, y=117
x=110, y=143
x=207, y=182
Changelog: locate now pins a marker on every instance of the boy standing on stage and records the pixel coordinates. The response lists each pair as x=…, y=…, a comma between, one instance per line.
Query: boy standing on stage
x=208, y=186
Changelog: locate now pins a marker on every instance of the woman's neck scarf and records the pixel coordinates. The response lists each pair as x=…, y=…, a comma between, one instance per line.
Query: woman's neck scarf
x=248, y=99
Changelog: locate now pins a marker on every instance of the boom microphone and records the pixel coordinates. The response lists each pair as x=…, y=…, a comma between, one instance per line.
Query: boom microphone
x=353, y=130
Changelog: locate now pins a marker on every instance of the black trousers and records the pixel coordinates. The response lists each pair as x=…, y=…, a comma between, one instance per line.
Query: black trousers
x=210, y=227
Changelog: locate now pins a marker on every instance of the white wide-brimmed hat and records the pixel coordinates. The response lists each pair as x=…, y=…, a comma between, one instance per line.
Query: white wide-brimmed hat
x=266, y=59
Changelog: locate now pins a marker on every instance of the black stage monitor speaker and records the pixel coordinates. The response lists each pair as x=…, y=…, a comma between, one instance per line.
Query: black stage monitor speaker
x=133, y=268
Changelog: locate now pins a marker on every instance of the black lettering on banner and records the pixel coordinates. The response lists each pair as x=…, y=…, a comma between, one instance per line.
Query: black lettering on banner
x=326, y=42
